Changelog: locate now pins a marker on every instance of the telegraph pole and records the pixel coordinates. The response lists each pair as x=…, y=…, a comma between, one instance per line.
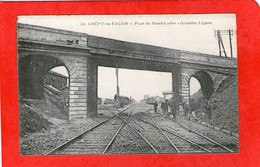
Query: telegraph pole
x=231, y=52
x=220, y=42
x=117, y=83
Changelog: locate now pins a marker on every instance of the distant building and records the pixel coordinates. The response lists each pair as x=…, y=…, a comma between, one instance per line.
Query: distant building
x=56, y=86
x=56, y=80
x=152, y=100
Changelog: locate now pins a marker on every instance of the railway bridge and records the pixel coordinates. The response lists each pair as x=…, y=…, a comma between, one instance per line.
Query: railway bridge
x=40, y=49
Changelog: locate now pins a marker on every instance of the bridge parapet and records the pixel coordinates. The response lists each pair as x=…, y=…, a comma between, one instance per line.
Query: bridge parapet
x=212, y=60
x=52, y=36
x=114, y=47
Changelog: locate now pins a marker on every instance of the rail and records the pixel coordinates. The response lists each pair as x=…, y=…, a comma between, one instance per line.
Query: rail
x=113, y=139
x=209, y=139
x=173, y=145
x=179, y=136
x=60, y=147
x=203, y=136
x=140, y=135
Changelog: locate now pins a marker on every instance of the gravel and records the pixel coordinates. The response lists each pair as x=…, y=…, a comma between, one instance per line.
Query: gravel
x=41, y=142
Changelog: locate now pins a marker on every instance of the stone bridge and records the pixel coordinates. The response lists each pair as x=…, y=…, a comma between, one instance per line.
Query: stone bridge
x=40, y=49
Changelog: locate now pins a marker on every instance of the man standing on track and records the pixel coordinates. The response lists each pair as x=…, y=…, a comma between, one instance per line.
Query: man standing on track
x=185, y=109
x=155, y=106
x=173, y=106
x=164, y=107
x=208, y=109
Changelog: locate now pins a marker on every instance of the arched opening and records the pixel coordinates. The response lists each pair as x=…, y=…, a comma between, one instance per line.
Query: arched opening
x=31, y=73
x=44, y=84
x=194, y=86
x=200, y=89
x=195, y=94
x=56, y=92
x=57, y=77
x=206, y=84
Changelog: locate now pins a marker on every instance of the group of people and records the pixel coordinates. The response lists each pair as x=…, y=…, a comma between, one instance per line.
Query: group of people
x=170, y=107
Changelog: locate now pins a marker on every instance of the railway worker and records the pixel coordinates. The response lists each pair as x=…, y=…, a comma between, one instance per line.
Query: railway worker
x=192, y=114
x=163, y=107
x=167, y=108
x=185, y=109
x=173, y=106
x=155, y=105
x=208, y=109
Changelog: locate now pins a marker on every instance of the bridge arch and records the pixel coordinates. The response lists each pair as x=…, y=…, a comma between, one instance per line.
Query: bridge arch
x=206, y=83
x=31, y=72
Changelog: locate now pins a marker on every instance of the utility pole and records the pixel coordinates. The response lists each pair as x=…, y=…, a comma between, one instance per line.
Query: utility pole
x=231, y=52
x=220, y=42
x=117, y=83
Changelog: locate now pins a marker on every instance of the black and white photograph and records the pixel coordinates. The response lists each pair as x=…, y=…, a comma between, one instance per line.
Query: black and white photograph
x=127, y=84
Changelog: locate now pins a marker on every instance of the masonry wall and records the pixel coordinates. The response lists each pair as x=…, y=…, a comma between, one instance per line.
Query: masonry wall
x=78, y=87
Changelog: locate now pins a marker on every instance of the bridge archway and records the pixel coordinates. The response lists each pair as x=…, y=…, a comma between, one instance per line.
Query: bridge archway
x=206, y=83
x=32, y=71
x=194, y=86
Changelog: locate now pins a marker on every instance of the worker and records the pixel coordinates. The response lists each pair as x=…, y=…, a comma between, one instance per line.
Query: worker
x=162, y=107
x=208, y=109
x=192, y=115
x=185, y=109
x=173, y=106
x=155, y=106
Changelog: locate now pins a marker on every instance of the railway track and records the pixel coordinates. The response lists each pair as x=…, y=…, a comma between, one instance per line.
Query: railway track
x=153, y=135
x=189, y=140
x=214, y=146
x=94, y=140
x=150, y=135
x=156, y=138
x=183, y=144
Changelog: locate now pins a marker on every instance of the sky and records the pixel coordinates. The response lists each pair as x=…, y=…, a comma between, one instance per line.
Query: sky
x=184, y=32
x=134, y=83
